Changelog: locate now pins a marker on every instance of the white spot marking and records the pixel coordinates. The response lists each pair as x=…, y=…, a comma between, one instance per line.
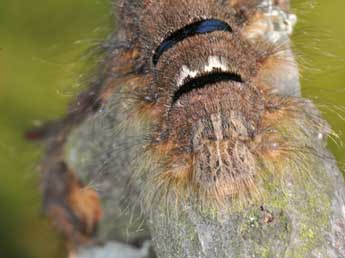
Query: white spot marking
x=213, y=62
x=185, y=73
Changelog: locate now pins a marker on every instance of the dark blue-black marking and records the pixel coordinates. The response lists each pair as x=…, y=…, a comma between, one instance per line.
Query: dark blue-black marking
x=205, y=80
x=200, y=27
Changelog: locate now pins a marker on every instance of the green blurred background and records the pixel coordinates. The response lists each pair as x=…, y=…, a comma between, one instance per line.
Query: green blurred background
x=42, y=60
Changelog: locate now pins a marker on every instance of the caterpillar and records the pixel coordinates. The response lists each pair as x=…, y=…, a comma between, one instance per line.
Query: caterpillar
x=197, y=106
x=215, y=90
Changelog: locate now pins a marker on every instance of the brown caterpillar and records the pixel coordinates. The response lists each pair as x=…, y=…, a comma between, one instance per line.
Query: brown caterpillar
x=214, y=98
x=197, y=103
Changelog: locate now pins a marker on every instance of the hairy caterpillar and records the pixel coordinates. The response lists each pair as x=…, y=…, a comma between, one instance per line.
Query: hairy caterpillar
x=199, y=106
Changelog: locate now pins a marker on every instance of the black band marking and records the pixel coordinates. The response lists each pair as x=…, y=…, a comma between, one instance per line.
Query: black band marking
x=204, y=80
x=200, y=27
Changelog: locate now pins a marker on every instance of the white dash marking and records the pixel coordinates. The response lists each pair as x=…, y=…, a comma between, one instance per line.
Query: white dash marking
x=213, y=62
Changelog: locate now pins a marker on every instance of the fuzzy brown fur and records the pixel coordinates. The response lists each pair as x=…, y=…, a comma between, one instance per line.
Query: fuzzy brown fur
x=206, y=139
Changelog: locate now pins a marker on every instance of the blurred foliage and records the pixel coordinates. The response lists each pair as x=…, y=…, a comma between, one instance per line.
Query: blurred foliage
x=42, y=46
x=42, y=57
